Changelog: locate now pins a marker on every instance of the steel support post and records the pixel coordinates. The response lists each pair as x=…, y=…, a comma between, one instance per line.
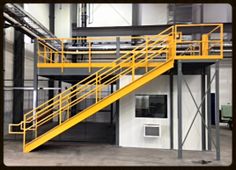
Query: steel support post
x=171, y=111
x=2, y=83
x=83, y=23
x=52, y=30
x=208, y=71
x=217, y=111
x=18, y=76
x=117, y=87
x=179, y=102
x=135, y=19
x=35, y=83
x=203, y=108
x=174, y=15
x=135, y=14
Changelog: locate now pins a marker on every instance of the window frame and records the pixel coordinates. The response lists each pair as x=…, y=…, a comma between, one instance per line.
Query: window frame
x=152, y=94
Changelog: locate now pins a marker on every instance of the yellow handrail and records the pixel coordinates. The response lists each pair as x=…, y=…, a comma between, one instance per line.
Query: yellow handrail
x=55, y=104
x=106, y=75
x=84, y=96
x=114, y=62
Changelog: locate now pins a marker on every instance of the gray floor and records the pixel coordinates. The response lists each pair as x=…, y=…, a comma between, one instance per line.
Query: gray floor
x=84, y=154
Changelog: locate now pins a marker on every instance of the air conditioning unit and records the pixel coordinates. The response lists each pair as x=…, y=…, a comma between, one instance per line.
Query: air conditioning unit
x=152, y=130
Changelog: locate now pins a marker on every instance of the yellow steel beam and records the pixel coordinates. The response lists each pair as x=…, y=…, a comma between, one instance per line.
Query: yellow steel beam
x=98, y=106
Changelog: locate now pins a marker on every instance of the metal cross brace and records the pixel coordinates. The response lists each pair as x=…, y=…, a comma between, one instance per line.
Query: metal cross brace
x=198, y=108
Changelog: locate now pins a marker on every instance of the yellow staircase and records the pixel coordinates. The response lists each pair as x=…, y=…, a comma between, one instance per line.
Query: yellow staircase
x=92, y=86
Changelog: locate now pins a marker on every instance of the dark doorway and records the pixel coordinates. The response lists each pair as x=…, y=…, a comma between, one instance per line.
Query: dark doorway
x=213, y=108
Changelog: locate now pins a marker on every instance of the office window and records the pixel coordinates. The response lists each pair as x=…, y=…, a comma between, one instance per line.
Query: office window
x=151, y=106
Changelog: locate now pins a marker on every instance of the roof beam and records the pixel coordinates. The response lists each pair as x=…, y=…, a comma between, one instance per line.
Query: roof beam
x=138, y=30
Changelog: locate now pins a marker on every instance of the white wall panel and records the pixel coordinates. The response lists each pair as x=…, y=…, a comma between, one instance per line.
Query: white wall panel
x=63, y=20
x=111, y=15
x=153, y=14
x=225, y=82
x=132, y=128
x=217, y=13
x=193, y=141
x=39, y=11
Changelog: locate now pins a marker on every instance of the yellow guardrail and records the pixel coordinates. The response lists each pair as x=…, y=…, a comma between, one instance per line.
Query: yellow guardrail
x=198, y=49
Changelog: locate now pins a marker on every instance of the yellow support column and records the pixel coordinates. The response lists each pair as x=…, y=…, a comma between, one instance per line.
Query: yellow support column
x=221, y=40
x=205, y=45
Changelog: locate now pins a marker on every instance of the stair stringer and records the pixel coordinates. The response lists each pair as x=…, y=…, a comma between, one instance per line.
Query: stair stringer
x=99, y=105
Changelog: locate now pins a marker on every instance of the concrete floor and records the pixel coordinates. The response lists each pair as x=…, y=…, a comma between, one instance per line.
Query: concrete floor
x=84, y=154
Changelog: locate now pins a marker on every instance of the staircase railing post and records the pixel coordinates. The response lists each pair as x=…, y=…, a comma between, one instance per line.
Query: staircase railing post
x=89, y=57
x=170, y=50
x=24, y=132
x=146, y=57
x=62, y=56
x=96, y=87
x=174, y=42
x=100, y=89
x=50, y=55
x=60, y=108
x=44, y=56
x=68, y=108
x=133, y=69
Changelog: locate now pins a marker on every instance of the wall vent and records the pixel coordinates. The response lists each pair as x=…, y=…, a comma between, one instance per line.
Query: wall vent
x=152, y=130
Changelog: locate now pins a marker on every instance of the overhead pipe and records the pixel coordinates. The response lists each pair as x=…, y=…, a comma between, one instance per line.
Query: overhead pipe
x=31, y=34
x=10, y=14
x=123, y=47
x=31, y=88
